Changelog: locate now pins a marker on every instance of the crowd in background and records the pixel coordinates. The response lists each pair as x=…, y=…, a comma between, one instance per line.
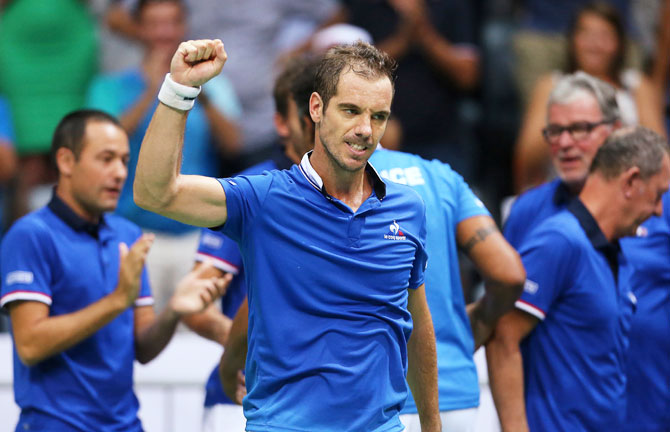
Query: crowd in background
x=473, y=81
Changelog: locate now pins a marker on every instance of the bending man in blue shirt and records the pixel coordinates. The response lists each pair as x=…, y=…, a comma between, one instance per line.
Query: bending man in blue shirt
x=557, y=362
x=335, y=256
x=79, y=301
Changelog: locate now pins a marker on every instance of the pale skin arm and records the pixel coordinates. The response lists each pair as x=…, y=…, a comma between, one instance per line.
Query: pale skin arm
x=422, y=362
x=38, y=336
x=505, y=367
x=531, y=154
x=648, y=102
x=235, y=355
x=194, y=293
x=159, y=186
x=211, y=323
x=499, y=265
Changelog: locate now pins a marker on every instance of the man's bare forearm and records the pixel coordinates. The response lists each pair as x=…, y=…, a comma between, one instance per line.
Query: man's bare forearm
x=422, y=362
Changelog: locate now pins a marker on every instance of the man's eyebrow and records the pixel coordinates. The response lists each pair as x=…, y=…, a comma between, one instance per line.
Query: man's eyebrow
x=346, y=105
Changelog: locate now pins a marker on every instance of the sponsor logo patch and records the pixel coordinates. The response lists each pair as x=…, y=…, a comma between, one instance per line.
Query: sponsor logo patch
x=19, y=277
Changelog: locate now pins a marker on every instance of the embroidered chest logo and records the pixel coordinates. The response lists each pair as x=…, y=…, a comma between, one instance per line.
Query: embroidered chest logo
x=395, y=233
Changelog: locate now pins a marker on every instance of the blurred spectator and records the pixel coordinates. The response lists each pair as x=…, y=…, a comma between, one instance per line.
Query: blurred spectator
x=119, y=44
x=47, y=59
x=255, y=31
x=131, y=96
x=661, y=70
x=597, y=46
x=540, y=45
x=433, y=42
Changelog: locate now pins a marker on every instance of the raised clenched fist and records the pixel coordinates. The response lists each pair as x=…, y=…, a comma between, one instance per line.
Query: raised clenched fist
x=198, y=61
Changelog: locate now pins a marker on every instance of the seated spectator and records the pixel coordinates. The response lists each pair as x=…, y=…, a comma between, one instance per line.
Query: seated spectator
x=131, y=96
x=597, y=43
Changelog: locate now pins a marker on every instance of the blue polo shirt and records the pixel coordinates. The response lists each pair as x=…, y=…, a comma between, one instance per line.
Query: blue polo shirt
x=225, y=255
x=449, y=201
x=534, y=206
x=54, y=257
x=327, y=291
x=574, y=359
x=648, y=368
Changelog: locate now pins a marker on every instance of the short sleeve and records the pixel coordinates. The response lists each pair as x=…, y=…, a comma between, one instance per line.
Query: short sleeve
x=221, y=250
x=222, y=95
x=26, y=258
x=468, y=203
x=549, y=259
x=417, y=275
x=244, y=197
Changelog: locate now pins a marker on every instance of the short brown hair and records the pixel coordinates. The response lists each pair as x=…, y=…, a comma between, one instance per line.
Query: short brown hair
x=361, y=58
x=629, y=147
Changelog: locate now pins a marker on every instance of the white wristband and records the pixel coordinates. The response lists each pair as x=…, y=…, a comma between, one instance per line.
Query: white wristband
x=177, y=96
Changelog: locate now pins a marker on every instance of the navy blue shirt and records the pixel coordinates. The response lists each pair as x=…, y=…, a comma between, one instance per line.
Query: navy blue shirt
x=327, y=291
x=648, y=368
x=574, y=359
x=534, y=206
x=54, y=257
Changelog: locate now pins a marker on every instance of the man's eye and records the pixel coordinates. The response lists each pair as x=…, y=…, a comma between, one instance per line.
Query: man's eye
x=580, y=127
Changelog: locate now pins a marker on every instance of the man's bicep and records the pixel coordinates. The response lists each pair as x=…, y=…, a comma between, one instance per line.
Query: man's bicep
x=200, y=201
x=515, y=325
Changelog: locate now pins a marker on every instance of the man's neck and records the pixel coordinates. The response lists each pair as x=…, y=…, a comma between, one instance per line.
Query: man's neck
x=350, y=187
x=63, y=193
x=599, y=198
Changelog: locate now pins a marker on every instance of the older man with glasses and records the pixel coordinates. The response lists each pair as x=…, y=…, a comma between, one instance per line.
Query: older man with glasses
x=586, y=108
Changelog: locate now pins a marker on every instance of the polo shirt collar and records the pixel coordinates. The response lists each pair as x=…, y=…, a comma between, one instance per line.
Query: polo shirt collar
x=315, y=180
x=76, y=222
x=562, y=195
x=595, y=235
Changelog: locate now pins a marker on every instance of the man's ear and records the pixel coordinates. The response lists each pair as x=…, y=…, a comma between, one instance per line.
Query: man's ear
x=280, y=125
x=316, y=107
x=65, y=161
x=630, y=181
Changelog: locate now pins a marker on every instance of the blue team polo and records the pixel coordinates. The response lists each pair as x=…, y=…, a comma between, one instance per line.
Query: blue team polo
x=449, y=201
x=225, y=255
x=574, y=359
x=534, y=206
x=648, y=370
x=327, y=291
x=54, y=257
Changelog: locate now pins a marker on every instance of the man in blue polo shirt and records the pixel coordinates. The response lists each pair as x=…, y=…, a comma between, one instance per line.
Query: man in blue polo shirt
x=69, y=281
x=334, y=256
x=581, y=112
x=558, y=361
x=458, y=218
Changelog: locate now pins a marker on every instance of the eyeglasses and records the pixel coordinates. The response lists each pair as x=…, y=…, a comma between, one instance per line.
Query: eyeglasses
x=579, y=131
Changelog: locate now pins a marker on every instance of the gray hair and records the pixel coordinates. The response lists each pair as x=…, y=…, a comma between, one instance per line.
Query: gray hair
x=631, y=147
x=579, y=84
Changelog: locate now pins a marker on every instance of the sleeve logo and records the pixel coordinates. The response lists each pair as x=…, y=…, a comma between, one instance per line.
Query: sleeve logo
x=19, y=277
x=530, y=287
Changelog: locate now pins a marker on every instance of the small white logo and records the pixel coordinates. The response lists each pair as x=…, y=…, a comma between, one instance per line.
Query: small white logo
x=530, y=287
x=395, y=233
x=641, y=231
x=211, y=240
x=632, y=297
x=20, y=277
x=232, y=182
